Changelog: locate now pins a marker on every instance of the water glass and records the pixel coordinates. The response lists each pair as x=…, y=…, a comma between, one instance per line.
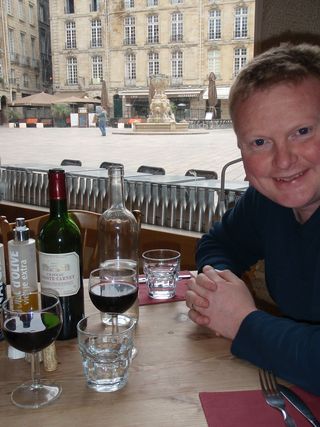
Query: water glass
x=161, y=268
x=106, y=352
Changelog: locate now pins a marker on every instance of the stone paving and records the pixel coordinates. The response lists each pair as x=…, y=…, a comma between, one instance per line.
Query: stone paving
x=175, y=153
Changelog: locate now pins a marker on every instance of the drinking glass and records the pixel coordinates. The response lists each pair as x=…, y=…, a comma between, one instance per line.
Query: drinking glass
x=30, y=331
x=113, y=290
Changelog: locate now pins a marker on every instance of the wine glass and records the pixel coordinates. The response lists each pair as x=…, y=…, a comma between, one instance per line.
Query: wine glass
x=30, y=331
x=113, y=290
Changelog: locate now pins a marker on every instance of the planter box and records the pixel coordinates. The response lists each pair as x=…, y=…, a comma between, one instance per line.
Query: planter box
x=12, y=125
x=22, y=125
x=39, y=125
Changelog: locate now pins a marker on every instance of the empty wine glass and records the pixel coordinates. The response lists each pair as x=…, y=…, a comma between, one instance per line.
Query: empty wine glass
x=30, y=331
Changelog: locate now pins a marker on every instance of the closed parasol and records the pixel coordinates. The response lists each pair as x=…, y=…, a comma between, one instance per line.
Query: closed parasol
x=212, y=93
x=104, y=96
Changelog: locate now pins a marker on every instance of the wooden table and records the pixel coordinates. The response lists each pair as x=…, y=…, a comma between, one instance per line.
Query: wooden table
x=176, y=360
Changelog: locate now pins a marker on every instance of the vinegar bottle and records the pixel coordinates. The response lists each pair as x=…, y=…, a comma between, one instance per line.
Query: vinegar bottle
x=22, y=267
x=118, y=231
x=3, y=293
x=23, y=274
x=60, y=256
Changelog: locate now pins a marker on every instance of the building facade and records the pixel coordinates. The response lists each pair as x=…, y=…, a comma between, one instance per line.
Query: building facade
x=25, y=54
x=125, y=42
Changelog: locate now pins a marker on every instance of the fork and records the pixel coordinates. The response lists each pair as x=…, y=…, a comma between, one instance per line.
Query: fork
x=273, y=396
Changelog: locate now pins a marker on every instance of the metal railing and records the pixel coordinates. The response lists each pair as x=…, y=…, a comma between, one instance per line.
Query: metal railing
x=190, y=205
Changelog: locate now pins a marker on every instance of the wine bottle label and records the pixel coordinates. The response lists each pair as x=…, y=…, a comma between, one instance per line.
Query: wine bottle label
x=60, y=273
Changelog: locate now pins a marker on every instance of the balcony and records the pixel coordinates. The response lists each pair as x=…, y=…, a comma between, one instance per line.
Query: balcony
x=176, y=81
x=130, y=82
x=71, y=45
x=94, y=44
x=95, y=81
x=176, y=38
x=129, y=41
x=35, y=63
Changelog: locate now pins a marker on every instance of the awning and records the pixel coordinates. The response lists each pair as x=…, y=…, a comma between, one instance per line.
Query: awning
x=178, y=92
x=222, y=92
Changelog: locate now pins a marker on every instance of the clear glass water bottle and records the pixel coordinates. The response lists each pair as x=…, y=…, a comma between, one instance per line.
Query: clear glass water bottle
x=119, y=231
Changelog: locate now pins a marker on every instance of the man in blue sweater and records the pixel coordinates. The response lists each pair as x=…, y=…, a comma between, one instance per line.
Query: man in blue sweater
x=275, y=108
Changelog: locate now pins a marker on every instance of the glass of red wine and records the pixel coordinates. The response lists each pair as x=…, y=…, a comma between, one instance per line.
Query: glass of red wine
x=31, y=330
x=113, y=290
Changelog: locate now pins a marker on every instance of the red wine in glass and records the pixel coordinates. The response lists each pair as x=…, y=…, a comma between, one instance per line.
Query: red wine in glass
x=113, y=298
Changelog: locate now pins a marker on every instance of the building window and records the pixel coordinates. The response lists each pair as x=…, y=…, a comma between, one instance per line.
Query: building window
x=176, y=67
x=31, y=14
x=11, y=40
x=9, y=7
x=240, y=59
x=71, y=40
x=176, y=27
x=129, y=30
x=241, y=22
x=72, y=71
x=214, y=24
x=97, y=71
x=42, y=13
x=128, y=4
x=21, y=10
x=94, y=5
x=176, y=1
x=23, y=46
x=96, y=35
x=33, y=48
x=153, y=64
x=12, y=78
x=214, y=62
x=1, y=70
x=153, y=29
x=130, y=70
x=152, y=3
x=69, y=6
x=43, y=42
x=25, y=80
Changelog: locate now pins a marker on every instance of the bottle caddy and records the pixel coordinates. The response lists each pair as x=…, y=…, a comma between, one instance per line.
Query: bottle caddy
x=60, y=256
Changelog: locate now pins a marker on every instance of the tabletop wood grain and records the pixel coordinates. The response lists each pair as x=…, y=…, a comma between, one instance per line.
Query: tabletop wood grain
x=176, y=360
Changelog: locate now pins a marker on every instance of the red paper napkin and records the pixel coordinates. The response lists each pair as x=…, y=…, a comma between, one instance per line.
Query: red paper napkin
x=181, y=289
x=249, y=409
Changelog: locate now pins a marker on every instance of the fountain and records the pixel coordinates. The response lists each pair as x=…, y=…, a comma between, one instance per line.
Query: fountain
x=161, y=117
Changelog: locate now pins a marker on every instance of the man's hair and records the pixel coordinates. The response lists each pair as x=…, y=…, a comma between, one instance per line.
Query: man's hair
x=287, y=63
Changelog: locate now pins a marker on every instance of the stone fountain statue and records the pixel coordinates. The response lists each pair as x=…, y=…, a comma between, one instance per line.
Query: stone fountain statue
x=160, y=108
x=161, y=118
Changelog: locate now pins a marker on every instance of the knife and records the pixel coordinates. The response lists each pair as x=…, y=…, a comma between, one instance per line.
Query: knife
x=299, y=404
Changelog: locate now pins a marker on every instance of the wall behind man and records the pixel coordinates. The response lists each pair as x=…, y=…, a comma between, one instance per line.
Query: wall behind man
x=286, y=20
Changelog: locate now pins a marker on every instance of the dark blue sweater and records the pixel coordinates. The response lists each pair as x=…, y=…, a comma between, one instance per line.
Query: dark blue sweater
x=260, y=229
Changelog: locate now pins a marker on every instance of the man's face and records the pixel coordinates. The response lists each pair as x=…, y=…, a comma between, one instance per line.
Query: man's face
x=278, y=131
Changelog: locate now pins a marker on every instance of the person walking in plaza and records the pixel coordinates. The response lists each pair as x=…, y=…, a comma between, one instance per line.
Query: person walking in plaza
x=275, y=109
x=102, y=120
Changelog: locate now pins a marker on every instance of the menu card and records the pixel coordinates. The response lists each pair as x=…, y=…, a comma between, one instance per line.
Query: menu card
x=249, y=409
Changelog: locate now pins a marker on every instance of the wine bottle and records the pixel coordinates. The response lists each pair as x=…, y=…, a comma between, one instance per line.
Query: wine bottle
x=118, y=231
x=60, y=256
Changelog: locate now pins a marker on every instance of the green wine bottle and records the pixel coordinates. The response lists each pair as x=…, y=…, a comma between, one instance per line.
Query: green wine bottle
x=60, y=259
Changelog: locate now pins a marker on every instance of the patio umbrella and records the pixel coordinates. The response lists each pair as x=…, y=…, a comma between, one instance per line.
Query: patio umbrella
x=35, y=100
x=212, y=93
x=72, y=99
x=104, y=96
